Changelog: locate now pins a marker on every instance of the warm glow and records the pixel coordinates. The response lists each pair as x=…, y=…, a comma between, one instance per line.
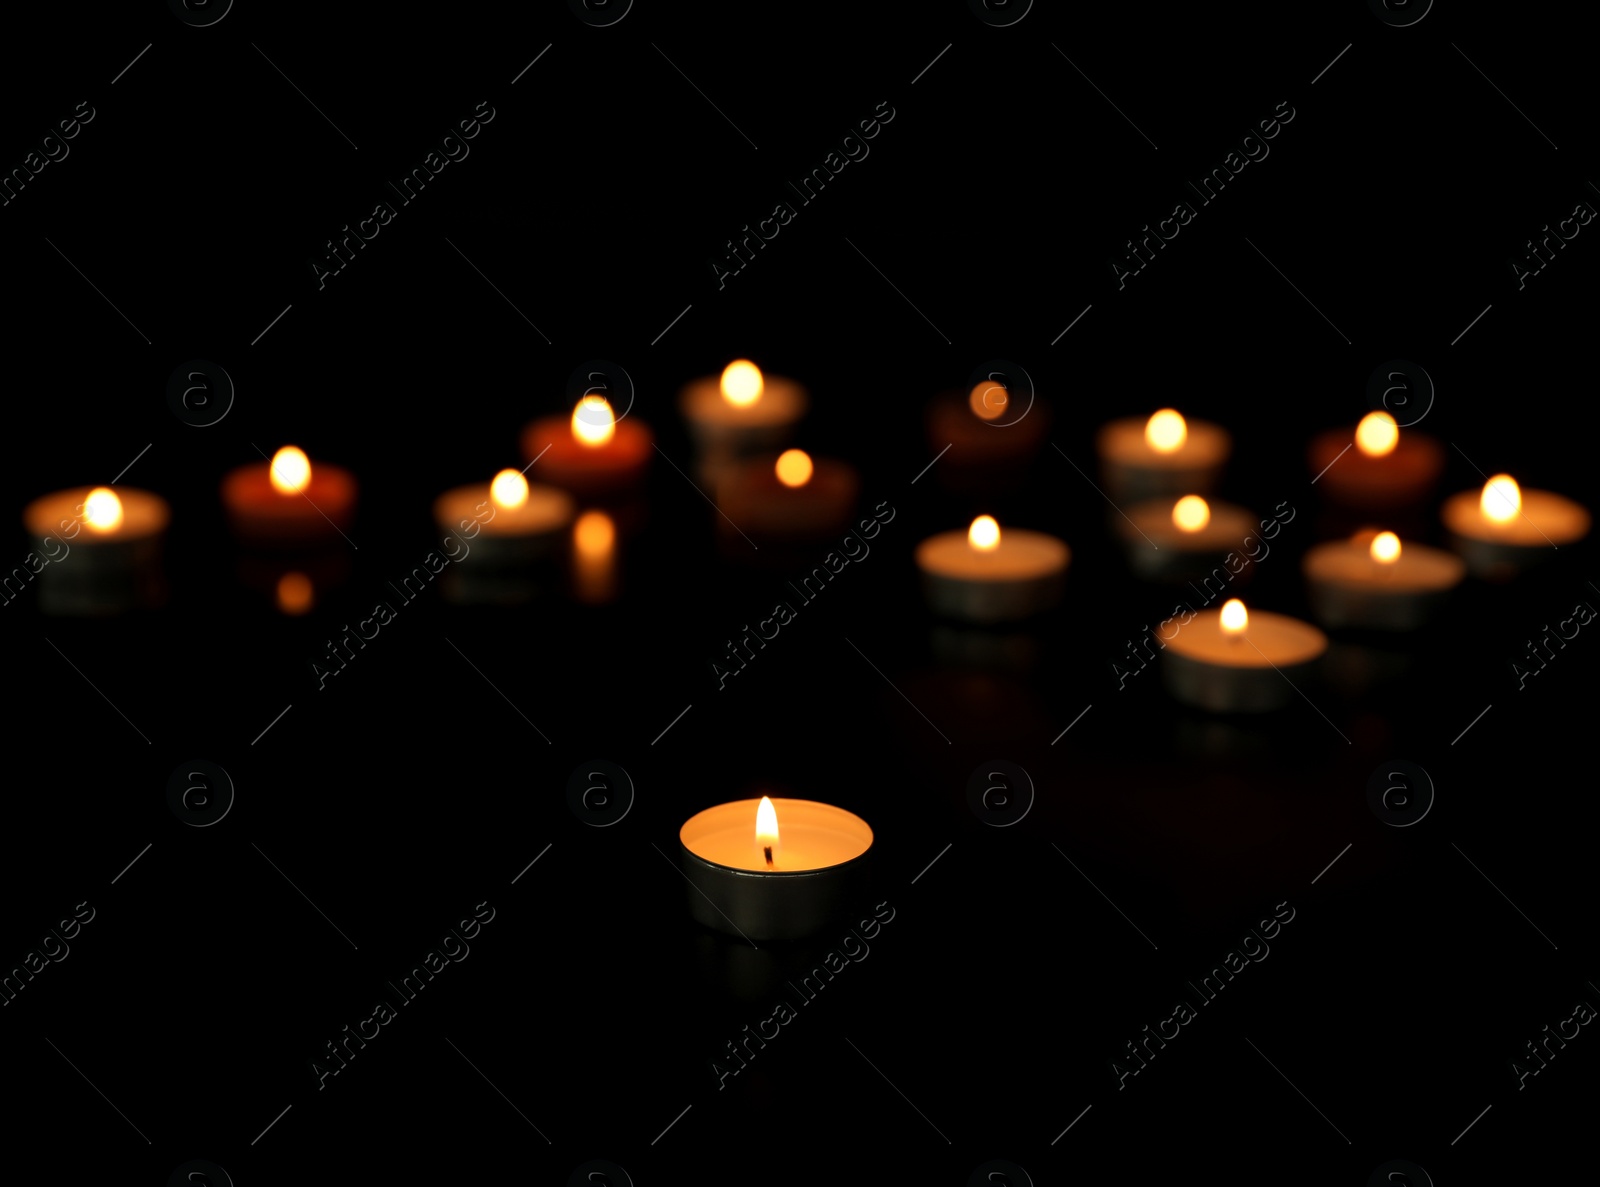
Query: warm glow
x=290, y=471
x=1377, y=434
x=509, y=489
x=102, y=510
x=767, y=828
x=1191, y=513
x=1502, y=499
x=592, y=421
x=741, y=383
x=1165, y=431
x=988, y=400
x=1386, y=548
x=1234, y=617
x=594, y=535
x=294, y=593
x=984, y=534
x=794, y=467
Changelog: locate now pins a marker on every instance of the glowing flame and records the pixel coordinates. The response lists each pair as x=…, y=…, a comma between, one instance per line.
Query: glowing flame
x=102, y=510
x=794, y=467
x=1377, y=434
x=594, y=535
x=290, y=471
x=767, y=828
x=984, y=534
x=1501, y=500
x=741, y=383
x=988, y=400
x=592, y=421
x=1166, y=431
x=509, y=490
x=294, y=593
x=1386, y=548
x=1191, y=513
x=1234, y=618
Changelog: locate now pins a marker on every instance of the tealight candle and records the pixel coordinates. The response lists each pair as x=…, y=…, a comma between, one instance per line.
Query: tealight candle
x=1373, y=580
x=1178, y=540
x=289, y=501
x=984, y=575
x=791, y=497
x=1377, y=466
x=1163, y=457
x=590, y=453
x=100, y=549
x=741, y=411
x=773, y=869
x=1504, y=529
x=1237, y=661
x=986, y=433
x=509, y=526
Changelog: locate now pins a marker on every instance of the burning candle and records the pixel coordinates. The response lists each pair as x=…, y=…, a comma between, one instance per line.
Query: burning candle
x=984, y=575
x=289, y=502
x=509, y=528
x=1163, y=457
x=594, y=558
x=591, y=453
x=294, y=593
x=99, y=550
x=1234, y=660
x=1374, y=581
x=791, y=497
x=990, y=438
x=1179, y=540
x=773, y=869
x=741, y=411
x=1377, y=466
x=1503, y=529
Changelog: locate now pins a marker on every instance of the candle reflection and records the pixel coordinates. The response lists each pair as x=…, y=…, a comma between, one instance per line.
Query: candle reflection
x=594, y=557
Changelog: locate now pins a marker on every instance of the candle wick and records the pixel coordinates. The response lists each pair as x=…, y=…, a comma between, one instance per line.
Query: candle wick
x=767, y=849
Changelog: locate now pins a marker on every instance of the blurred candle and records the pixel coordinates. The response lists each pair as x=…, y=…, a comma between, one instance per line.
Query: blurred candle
x=289, y=501
x=741, y=411
x=590, y=453
x=1236, y=660
x=294, y=593
x=790, y=497
x=96, y=550
x=1178, y=540
x=1375, y=581
x=1376, y=466
x=986, y=575
x=1503, y=529
x=1163, y=457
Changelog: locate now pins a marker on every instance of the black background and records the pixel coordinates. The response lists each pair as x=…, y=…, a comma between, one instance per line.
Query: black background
x=408, y=789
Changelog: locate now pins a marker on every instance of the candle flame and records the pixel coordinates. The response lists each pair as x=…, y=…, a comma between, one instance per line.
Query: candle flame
x=766, y=824
x=984, y=534
x=1234, y=618
x=290, y=471
x=509, y=490
x=1386, y=548
x=1191, y=513
x=593, y=423
x=794, y=467
x=741, y=383
x=294, y=593
x=594, y=534
x=1377, y=434
x=102, y=510
x=988, y=399
x=1501, y=500
x=1166, y=431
